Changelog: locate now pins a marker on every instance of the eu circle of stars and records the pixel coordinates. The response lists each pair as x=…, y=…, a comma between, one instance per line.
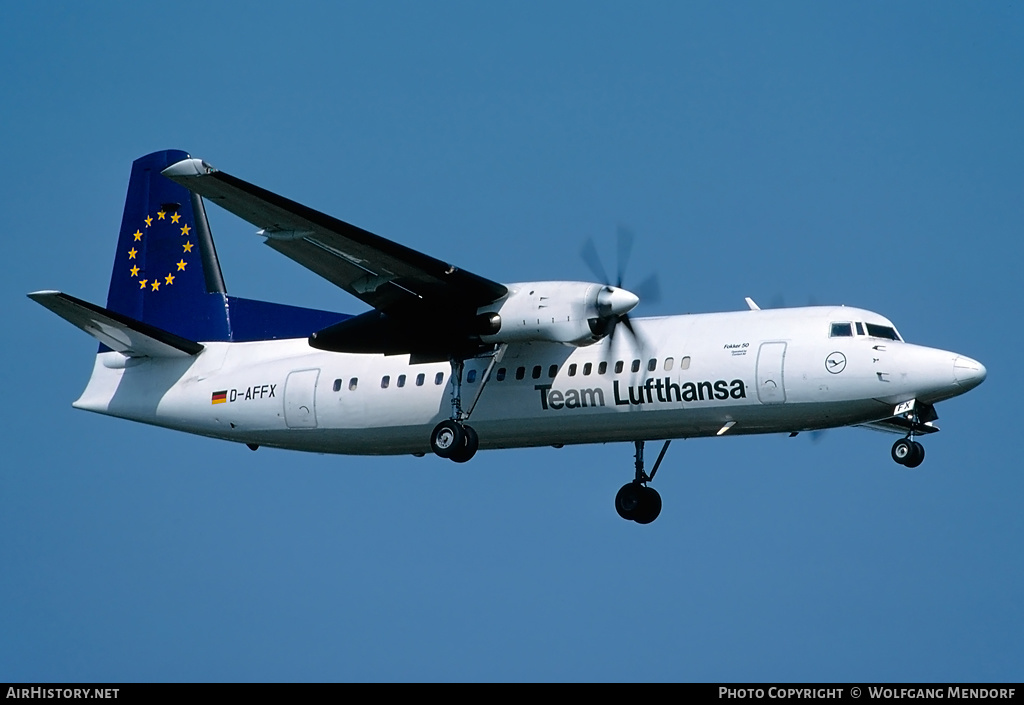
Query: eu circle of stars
x=160, y=280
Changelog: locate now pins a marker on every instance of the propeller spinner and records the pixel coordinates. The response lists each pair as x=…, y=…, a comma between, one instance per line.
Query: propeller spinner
x=613, y=302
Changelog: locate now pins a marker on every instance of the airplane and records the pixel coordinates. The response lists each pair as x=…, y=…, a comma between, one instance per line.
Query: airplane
x=543, y=363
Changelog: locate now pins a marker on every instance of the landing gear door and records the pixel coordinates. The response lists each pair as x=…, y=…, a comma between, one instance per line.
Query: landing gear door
x=770, y=386
x=299, y=395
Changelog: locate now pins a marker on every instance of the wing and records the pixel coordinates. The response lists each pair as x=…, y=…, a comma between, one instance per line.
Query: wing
x=394, y=279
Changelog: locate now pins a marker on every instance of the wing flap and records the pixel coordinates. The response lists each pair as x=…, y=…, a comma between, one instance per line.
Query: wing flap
x=116, y=331
x=386, y=275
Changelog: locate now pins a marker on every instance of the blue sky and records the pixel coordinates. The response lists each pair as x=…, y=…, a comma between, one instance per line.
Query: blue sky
x=865, y=154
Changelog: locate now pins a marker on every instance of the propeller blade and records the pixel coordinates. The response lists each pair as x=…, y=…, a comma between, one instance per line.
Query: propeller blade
x=649, y=290
x=624, y=319
x=609, y=341
x=637, y=338
x=593, y=260
x=625, y=243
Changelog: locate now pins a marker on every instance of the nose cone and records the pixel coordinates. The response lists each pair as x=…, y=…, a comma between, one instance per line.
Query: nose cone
x=969, y=373
x=613, y=301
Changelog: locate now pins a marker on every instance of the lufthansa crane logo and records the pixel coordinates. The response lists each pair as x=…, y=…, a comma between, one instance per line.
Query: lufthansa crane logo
x=835, y=363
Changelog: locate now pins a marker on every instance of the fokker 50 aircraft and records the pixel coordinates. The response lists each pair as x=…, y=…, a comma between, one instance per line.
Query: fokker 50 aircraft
x=448, y=361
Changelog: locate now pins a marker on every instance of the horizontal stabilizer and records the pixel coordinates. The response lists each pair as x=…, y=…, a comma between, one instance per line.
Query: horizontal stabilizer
x=116, y=331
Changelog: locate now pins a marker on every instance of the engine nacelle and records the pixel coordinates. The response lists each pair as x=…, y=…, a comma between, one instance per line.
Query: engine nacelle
x=556, y=312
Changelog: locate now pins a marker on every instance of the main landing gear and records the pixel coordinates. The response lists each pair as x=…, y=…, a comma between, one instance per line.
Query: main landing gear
x=453, y=438
x=908, y=452
x=635, y=501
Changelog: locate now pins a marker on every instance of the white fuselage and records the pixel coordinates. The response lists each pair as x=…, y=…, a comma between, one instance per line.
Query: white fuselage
x=763, y=371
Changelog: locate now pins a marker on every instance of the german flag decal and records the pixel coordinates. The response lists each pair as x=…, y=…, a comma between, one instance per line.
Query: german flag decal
x=219, y=397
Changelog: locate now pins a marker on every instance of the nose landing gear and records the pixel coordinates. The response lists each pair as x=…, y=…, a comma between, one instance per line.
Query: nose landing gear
x=915, y=418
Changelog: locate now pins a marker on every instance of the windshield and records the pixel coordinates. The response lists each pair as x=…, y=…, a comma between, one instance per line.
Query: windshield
x=887, y=332
x=844, y=329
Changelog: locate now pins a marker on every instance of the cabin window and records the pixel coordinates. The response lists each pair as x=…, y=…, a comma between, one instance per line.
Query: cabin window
x=684, y=363
x=337, y=385
x=471, y=376
x=520, y=372
x=536, y=371
x=876, y=331
x=572, y=370
x=552, y=371
x=602, y=368
x=501, y=374
x=841, y=330
x=353, y=383
x=385, y=381
x=439, y=378
x=860, y=328
x=588, y=368
x=419, y=379
x=652, y=364
x=635, y=367
x=401, y=380
x=668, y=364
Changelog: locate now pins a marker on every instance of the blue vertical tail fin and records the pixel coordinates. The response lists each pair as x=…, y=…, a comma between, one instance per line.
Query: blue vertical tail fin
x=166, y=272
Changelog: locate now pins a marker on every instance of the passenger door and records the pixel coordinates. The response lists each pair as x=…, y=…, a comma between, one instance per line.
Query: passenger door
x=299, y=399
x=771, y=387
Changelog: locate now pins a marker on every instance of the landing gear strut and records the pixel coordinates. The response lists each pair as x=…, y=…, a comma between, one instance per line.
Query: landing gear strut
x=453, y=438
x=635, y=501
x=907, y=451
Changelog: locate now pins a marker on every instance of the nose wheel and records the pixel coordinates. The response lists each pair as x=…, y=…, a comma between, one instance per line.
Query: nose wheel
x=908, y=452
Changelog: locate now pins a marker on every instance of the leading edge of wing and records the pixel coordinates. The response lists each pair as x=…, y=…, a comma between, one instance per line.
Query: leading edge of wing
x=390, y=277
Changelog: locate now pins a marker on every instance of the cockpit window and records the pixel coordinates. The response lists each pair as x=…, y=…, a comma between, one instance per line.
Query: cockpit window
x=876, y=331
x=842, y=330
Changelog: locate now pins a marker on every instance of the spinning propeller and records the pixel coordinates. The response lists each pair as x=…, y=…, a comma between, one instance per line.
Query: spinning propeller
x=613, y=302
